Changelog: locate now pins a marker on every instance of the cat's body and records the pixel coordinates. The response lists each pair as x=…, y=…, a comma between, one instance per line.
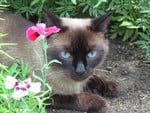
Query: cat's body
x=15, y=27
x=80, y=46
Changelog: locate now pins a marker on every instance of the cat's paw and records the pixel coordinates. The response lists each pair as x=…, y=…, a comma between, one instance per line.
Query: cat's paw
x=93, y=103
x=100, y=85
x=111, y=89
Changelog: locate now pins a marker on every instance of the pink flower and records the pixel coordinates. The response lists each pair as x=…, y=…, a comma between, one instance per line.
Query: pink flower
x=23, y=88
x=33, y=32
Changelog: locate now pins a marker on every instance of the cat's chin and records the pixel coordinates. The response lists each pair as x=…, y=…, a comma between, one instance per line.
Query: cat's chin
x=78, y=79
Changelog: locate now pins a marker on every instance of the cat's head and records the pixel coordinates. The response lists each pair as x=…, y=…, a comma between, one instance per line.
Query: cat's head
x=80, y=45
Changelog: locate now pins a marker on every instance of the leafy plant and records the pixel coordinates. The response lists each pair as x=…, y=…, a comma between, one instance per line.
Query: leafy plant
x=145, y=45
x=130, y=16
x=130, y=19
x=32, y=103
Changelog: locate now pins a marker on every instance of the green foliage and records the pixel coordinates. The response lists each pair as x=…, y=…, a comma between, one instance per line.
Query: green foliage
x=145, y=45
x=19, y=70
x=33, y=103
x=27, y=8
x=131, y=17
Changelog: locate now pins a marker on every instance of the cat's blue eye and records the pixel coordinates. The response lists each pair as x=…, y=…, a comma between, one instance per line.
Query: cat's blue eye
x=65, y=54
x=92, y=54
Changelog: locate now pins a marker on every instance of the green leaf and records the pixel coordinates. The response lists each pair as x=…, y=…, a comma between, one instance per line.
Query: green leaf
x=4, y=96
x=140, y=42
x=54, y=61
x=99, y=3
x=2, y=35
x=37, y=77
x=13, y=69
x=39, y=101
x=135, y=36
x=144, y=36
x=45, y=92
x=34, y=2
x=85, y=9
x=74, y=2
x=114, y=35
x=6, y=54
x=3, y=67
x=127, y=34
x=126, y=23
x=133, y=27
x=7, y=44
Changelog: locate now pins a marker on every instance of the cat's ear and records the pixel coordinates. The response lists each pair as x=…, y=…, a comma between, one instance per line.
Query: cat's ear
x=51, y=20
x=100, y=24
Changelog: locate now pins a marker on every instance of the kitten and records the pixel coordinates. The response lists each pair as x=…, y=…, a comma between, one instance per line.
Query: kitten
x=81, y=45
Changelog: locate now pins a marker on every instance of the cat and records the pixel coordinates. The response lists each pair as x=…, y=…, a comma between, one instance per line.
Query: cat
x=80, y=46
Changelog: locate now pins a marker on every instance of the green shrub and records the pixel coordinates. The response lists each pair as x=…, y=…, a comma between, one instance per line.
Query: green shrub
x=130, y=19
x=130, y=16
x=144, y=44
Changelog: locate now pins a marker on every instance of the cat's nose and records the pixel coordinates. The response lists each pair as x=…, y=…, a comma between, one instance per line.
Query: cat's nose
x=80, y=69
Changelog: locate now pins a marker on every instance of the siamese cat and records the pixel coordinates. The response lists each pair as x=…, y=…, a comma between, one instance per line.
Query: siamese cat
x=80, y=46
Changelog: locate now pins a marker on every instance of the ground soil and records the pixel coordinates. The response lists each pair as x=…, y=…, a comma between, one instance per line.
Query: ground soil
x=125, y=64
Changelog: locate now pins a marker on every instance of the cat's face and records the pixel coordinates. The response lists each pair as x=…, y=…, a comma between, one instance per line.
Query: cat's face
x=80, y=46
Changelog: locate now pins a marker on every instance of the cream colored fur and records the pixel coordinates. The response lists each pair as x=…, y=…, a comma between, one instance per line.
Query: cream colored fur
x=74, y=23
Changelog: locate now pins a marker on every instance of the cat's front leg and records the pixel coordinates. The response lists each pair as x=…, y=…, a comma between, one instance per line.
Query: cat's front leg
x=102, y=86
x=87, y=102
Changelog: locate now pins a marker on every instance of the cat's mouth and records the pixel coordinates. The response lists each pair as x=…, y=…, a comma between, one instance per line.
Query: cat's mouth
x=79, y=77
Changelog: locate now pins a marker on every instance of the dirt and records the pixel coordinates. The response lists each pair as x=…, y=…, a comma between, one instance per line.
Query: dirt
x=125, y=64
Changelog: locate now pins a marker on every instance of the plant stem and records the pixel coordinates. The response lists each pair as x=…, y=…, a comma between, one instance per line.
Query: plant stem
x=45, y=67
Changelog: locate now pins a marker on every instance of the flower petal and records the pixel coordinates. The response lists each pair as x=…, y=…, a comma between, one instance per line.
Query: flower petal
x=35, y=87
x=55, y=29
x=51, y=30
x=28, y=80
x=10, y=82
x=32, y=33
x=41, y=28
x=19, y=94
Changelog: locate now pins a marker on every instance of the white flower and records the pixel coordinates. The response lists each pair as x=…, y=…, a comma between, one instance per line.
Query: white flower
x=35, y=87
x=22, y=89
x=32, y=87
x=17, y=94
x=10, y=82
